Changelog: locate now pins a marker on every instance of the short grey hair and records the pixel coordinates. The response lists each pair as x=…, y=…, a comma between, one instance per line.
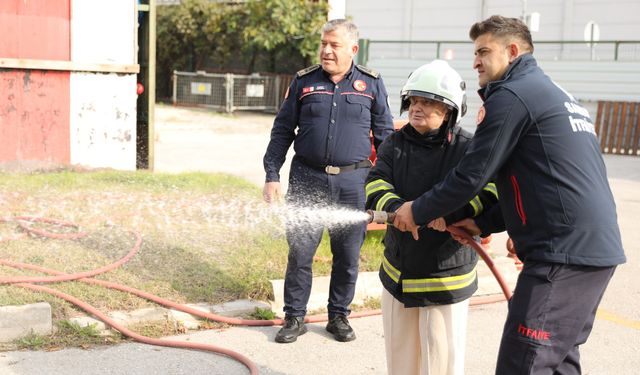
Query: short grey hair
x=350, y=28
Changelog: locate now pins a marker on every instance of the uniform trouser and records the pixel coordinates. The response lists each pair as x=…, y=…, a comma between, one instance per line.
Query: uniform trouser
x=424, y=340
x=313, y=189
x=550, y=314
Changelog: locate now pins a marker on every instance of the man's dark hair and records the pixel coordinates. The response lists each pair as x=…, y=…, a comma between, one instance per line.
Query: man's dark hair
x=504, y=28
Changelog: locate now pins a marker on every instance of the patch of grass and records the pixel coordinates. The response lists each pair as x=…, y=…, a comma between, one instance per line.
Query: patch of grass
x=254, y=262
x=67, y=334
x=158, y=329
x=33, y=342
x=370, y=253
x=263, y=314
x=370, y=303
x=88, y=332
x=92, y=180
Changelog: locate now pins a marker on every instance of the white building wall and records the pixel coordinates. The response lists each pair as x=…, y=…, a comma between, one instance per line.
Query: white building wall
x=103, y=105
x=103, y=120
x=103, y=31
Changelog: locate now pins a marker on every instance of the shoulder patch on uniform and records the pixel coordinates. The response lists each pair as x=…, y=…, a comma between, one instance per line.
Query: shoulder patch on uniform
x=368, y=71
x=308, y=70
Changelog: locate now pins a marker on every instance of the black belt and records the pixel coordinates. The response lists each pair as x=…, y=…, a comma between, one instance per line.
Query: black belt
x=332, y=169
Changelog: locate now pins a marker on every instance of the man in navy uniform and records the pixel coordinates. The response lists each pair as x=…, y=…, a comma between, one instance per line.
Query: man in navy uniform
x=329, y=111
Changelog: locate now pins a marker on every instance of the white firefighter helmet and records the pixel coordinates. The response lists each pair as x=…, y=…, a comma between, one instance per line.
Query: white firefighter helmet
x=437, y=81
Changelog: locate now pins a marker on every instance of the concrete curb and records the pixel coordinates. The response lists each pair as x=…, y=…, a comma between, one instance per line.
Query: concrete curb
x=19, y=321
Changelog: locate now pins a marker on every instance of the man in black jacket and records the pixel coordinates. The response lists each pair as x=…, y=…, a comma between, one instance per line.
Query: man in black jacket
x=555, y=201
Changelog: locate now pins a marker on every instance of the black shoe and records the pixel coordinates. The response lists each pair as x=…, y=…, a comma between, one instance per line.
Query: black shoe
x=342, y=331
x=293, y=327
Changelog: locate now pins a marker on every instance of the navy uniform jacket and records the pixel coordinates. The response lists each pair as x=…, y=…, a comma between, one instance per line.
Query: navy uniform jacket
x=555, y=200
x=333, y=121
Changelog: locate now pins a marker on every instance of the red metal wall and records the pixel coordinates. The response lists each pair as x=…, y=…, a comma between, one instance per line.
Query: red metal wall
x=35, y=29
x=34, y=116
x=34, y=104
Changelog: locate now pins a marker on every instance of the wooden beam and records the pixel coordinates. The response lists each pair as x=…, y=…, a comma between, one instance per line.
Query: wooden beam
x=68, y=66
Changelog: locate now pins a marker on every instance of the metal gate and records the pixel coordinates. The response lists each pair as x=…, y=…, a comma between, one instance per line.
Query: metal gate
x=229, y=92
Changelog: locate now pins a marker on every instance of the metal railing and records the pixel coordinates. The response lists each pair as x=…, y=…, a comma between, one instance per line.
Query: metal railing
x=229, y=92
x=607, y=50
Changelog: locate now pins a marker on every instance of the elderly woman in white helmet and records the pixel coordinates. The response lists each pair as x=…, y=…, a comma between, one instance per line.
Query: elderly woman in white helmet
x=427, y=280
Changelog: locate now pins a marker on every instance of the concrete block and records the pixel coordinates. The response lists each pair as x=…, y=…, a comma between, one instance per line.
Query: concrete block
x=19, y=321
x=187, y=320
x=148, y=314
x=120, y=317
x=240, y=307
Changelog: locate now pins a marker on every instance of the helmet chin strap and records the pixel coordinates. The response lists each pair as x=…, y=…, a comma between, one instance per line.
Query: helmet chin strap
x=447, y=127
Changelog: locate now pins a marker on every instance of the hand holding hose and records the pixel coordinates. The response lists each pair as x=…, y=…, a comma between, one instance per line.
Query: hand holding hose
x=469, y=226
x=404, y=220
x=438, y=224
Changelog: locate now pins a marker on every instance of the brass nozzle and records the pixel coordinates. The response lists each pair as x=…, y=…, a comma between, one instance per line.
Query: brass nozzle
x=381, y=217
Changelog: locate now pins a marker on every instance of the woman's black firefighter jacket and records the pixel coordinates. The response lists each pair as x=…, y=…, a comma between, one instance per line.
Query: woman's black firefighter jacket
x=436, y=269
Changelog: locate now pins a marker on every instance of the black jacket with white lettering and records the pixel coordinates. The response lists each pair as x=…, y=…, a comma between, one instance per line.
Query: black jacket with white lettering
x=555, y=200
x=436, y=269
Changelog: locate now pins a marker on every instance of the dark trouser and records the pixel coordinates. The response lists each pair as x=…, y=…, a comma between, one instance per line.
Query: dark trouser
x=550, y=315
x=311, y=188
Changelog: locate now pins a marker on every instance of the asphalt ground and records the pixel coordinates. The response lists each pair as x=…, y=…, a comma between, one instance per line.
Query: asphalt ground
x=194, y=140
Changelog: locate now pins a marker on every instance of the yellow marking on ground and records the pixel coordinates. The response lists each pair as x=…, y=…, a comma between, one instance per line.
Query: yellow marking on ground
x=607, y=315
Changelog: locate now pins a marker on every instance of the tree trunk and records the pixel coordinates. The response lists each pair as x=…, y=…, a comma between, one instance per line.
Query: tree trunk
x=252, y=61
x=273, y=60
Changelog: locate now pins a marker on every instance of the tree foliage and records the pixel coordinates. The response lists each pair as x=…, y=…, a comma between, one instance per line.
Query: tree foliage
x=275, y=23
x=258, y=35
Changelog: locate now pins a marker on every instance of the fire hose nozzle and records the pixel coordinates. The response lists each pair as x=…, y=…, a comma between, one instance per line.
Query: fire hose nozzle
x=381, y=217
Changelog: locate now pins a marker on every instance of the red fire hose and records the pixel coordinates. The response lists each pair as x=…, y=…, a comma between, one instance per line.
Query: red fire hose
x=26, y=282
x=487, y=259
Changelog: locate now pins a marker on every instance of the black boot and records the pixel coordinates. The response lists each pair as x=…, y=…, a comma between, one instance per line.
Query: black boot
x=293, y=327
x=342, y=331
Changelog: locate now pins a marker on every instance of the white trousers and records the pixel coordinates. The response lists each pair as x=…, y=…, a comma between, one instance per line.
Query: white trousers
x=424, y=340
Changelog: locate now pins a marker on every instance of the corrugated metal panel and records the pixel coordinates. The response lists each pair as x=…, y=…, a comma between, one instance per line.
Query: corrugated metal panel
x=451, y=20
x=588, y=81
x=34, y=116
x=103, y=31
x=103, y=120
x=34, y=29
